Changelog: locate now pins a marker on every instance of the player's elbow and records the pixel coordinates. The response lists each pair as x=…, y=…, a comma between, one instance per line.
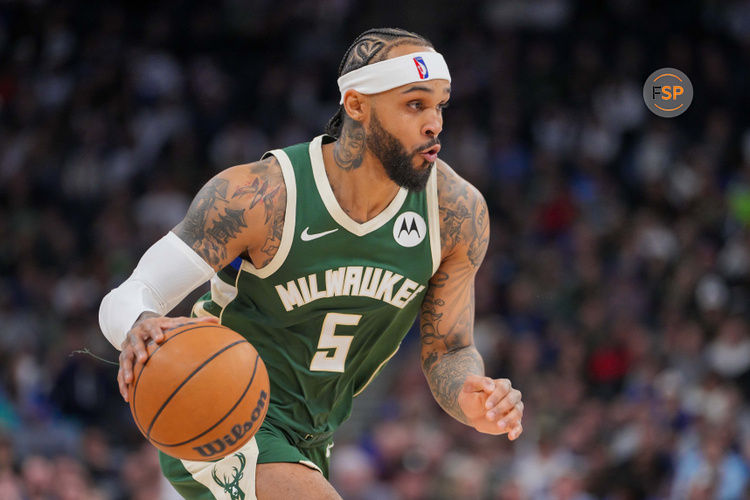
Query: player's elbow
x=165, y=275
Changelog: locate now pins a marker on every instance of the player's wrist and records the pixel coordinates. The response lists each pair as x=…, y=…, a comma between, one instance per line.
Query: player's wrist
x=144, y=316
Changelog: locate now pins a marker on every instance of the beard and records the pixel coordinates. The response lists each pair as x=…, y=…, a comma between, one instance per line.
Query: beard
x=396, y=160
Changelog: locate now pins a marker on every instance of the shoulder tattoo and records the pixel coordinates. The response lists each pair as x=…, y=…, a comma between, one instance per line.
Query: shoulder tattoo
x=463, y=218
x=219, y=211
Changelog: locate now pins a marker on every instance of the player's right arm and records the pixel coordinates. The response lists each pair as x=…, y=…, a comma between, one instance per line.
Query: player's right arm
x=241, y=210
x=238, y=212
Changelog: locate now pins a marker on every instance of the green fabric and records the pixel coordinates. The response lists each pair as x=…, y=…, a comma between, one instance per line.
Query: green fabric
x=275, y=445
x=181, y=479
x=308, y=401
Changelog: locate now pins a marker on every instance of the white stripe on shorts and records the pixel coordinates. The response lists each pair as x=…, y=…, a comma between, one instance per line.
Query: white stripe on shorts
x=228, y=473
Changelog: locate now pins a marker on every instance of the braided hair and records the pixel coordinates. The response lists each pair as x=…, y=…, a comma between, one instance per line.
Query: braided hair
x=370, y=47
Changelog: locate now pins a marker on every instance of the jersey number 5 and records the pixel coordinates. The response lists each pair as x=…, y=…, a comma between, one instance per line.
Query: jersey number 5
x=325, y=360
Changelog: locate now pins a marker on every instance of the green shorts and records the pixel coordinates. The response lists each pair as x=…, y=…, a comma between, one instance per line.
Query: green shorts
x=233, y=477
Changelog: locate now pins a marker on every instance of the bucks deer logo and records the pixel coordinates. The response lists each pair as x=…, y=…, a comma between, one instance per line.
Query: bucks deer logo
x=232, y=485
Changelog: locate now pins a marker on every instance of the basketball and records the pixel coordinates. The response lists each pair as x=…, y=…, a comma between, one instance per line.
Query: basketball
x=201, y=394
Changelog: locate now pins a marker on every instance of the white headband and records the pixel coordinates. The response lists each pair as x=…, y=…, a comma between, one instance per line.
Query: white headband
x=392, y=73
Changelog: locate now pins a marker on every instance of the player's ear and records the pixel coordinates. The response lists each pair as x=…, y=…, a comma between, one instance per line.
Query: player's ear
x=355, y=105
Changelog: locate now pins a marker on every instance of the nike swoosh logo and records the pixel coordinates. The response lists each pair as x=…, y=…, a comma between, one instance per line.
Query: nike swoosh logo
x=305, y=236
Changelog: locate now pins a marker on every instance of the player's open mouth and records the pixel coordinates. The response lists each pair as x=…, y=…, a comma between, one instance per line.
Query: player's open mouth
x=431, y=154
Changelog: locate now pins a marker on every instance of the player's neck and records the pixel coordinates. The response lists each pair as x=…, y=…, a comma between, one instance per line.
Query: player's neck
x=358, y=179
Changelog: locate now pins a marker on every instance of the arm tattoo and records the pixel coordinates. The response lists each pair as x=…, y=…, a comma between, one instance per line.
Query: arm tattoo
x=215, y=218
x=447, y=315
x=453, y=218
x=448, y=354
x=463, y=218
x=349, y=149
x=206, y=209
x=429, y=320
x=227, y=225
x=480, y=234
x=446, y=379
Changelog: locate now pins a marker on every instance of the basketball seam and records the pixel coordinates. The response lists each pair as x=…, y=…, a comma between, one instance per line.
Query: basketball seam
x=187, y=379
x=138, y=378
x=239, y=400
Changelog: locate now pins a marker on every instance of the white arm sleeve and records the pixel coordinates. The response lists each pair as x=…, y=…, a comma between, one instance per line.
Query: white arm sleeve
x=165, y=275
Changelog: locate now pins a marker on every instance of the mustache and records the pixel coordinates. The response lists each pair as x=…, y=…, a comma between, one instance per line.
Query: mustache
x=428, y=145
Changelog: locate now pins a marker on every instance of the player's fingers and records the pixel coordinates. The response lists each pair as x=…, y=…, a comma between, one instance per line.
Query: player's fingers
x=208, y=319
x=511, y=399
x=512, y=418
x=176, y=321
x=502, y=389
x=168, y=323
x=121, y=385
x=125, y=373
x=515, y=432
x=154, y=329
x=137, y=336
x=476, y=383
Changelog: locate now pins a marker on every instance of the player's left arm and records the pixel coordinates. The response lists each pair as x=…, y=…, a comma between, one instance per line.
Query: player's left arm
x=450, y=361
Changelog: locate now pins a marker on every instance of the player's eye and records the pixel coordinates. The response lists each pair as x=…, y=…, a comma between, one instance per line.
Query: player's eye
x=443, y=106
x=415, y=105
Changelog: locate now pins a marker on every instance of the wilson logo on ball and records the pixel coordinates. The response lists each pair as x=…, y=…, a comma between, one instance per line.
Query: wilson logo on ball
x=238, y=431
x=182, y=373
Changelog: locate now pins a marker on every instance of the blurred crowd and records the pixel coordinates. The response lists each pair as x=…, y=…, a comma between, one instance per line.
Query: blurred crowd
x=614, y=294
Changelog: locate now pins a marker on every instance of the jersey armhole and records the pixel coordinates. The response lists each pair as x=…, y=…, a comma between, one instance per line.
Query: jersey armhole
x=287, y=233
x=433, y=219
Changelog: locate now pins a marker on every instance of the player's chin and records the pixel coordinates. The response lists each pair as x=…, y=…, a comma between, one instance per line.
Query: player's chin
x=421, y=164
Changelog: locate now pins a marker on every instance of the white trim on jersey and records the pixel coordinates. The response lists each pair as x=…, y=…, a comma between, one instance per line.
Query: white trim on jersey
x=433, y=219
x=287, y=234
x=199, y=310
x=310, y=465
x=236, y=287
x=222, y=293
x=377, y=370
x=332, y=205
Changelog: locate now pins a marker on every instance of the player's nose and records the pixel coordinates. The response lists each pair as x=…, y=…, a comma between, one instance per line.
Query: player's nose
x=434, y=125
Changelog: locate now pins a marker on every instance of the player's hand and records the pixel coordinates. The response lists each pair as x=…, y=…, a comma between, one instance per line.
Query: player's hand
x=492, y=406
x=148, y=327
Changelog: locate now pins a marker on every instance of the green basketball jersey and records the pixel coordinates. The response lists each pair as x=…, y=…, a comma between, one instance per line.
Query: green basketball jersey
x=336, y=300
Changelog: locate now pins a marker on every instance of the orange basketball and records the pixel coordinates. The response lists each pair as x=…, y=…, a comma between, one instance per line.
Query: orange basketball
x=201, y=394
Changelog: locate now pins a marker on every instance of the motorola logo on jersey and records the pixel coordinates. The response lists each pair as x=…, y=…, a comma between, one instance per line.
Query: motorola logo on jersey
x=421, y=67
x=409, y=229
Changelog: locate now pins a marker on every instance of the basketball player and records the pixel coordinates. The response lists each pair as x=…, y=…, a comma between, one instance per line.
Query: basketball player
x=321, y=255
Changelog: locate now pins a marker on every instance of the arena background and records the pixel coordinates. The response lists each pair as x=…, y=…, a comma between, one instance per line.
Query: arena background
x=614, y=294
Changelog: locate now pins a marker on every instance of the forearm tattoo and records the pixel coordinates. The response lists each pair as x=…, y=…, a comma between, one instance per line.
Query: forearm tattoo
x=448, y=355
x=447, y=314
x=446, y=379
